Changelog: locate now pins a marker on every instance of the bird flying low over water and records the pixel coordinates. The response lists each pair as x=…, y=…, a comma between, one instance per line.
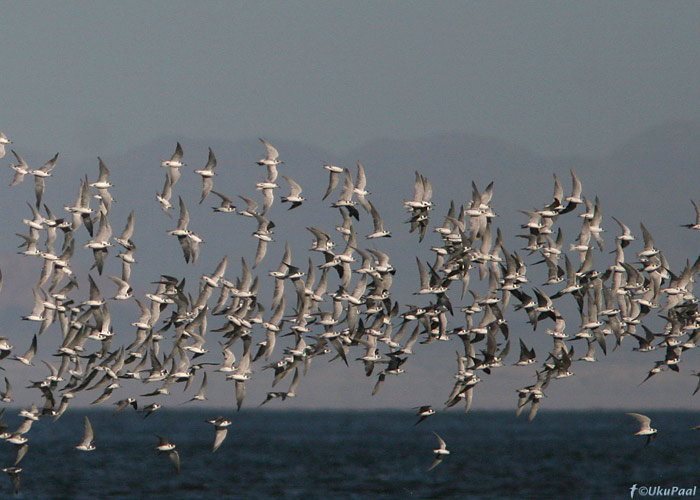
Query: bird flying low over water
x=424, y=412
x=13, y=473
x=221, y=425
x=88, y=442
x=148, y=410
x=440, y=452
x=165, y=446
x=645, y=428
x=124, y=403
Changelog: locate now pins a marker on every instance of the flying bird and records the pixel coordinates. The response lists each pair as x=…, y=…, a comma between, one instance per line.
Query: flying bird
x=226, y=205
x=39, y=175
x=174, y=164
x=124, y=403
x=645, y=428
x=165, y=195
x=88, y=442
x=333, y=179
x=21, y=169
x=13, y=472
x=3, y=141
x=696, y=224
x=165, y=446
x=423, y=413
x=272, y=155
x=379, y=231
x=439, y=452
x=294, y=196
x=221, y=425
x=207, y=174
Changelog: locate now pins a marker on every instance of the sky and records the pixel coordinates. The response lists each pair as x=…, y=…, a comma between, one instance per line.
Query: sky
x=554, y=79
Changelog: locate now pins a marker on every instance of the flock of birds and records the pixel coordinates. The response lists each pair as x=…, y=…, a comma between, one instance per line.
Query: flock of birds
x=339, y=305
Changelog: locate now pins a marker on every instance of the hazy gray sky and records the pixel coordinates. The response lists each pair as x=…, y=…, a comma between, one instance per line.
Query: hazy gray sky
x=557, y=77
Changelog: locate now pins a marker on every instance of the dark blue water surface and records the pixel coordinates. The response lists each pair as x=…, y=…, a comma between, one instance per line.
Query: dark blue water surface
x=355, y=455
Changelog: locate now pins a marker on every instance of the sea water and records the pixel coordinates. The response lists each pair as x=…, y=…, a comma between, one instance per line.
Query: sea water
x=357, y=455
